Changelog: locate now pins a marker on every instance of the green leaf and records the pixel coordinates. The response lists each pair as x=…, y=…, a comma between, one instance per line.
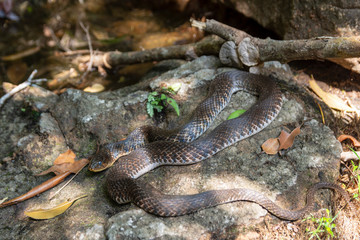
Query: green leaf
x=236, y=114
x=155, y=102
x=163, y=97
x=151, y=97
x=158, y=107
x=174, y=104
x=150, y=109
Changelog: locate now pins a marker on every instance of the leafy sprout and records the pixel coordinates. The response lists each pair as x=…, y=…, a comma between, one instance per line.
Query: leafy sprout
x=157, y=101
x=325, y=225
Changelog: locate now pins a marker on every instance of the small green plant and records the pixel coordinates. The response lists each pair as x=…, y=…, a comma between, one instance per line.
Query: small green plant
x=325, y=225
x=157, y=101
x=356, y=169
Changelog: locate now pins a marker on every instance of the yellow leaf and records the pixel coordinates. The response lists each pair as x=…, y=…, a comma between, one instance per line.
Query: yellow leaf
x=52, y=212
x=331, y=100
x=97, y=87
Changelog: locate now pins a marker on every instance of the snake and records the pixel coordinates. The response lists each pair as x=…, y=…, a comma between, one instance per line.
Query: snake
x=148, y=147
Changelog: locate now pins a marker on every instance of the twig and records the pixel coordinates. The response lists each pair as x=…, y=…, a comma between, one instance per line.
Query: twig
x=222, y=30
x=57, y=41
x=208, y=46
x=86, y=30
x=253, y=51
x=19, y=55
x=21, y=86
x=77, y=52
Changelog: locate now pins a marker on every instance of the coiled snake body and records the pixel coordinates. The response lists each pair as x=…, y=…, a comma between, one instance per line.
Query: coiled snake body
x=150, y=148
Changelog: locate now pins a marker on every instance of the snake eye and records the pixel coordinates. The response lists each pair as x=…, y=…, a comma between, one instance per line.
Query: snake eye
x=95, y=166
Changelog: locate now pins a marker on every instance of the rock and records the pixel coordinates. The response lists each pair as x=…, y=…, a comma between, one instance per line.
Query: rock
x=96, y=232
x=24, y=118
x=79, y=120
x=41, y=149
x=303, y=19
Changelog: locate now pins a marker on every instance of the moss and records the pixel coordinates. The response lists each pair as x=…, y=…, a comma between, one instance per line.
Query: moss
x=89, y=148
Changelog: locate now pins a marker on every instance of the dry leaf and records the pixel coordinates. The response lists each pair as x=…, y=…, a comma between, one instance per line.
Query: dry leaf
x=66, y=157
x=73, y=167
x=37, y=190
x=284, y=141
x=97, y=87
x=78, y=165
x=287, y=140
x=331, y=100
x=65, y=168
x=355, y=142
x=271, y=146
x=52, y=212
x=345, y=156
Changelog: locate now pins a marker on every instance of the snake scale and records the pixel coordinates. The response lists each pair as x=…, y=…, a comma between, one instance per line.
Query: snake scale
x=147, y=148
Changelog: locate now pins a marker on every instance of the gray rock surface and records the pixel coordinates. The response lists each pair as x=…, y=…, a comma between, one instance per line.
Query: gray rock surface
x=80, y=120
x=301, y=19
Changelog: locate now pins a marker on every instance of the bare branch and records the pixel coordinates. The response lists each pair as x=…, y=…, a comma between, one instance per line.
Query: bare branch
x=222, y=30
x=21, y=86
x=253, y=51
x=86, y=30
x=207, y=46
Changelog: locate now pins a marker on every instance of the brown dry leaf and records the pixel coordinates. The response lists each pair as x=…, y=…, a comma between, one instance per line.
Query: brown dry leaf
x=52, y=212
x=66, y=157
x=355, y=142
x=271, y=146
x=37, y=190
x=73, y=167
x=67, y=166
x=331, y=100
x=287, y=139
x=78, y=165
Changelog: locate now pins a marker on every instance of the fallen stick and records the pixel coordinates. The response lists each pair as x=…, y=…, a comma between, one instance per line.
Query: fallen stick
x=208, y=46
x=252, y=51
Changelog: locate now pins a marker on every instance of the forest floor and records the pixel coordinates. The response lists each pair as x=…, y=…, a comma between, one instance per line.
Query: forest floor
x=40, y=43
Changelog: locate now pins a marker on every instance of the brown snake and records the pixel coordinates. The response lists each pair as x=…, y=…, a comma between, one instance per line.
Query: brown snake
x=147, y=148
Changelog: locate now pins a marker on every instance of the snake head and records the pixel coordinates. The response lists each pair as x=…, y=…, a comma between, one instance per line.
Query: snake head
x=102, y=159
x=107, y=155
